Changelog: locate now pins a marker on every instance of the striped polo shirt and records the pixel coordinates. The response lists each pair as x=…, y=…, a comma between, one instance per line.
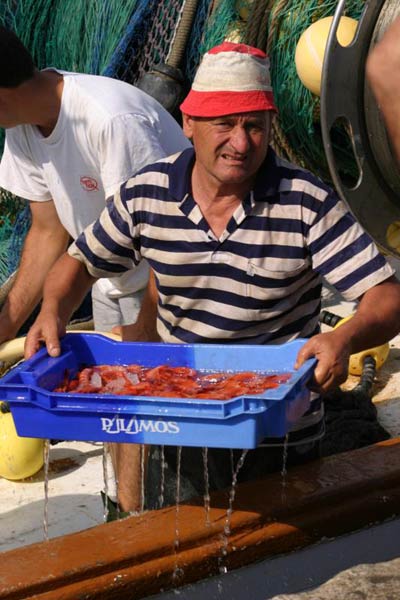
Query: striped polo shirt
x=260, y=281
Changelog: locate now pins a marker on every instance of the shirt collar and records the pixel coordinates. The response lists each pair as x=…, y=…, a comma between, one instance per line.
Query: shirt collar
x=266, y=184
x=268, y=177
x=180, y=174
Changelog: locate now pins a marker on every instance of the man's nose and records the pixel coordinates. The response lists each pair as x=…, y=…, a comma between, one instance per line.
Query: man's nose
x=240, y=139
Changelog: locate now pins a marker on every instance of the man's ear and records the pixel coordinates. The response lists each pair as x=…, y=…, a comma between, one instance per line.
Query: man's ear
x=187, y=125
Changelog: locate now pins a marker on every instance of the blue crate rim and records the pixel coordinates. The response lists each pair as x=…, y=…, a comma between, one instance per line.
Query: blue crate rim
x=273, y=394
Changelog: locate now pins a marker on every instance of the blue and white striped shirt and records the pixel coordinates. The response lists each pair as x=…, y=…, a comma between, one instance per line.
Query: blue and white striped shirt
x=260, y=282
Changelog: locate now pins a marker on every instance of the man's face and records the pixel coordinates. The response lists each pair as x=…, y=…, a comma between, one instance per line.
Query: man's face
x=229, y=149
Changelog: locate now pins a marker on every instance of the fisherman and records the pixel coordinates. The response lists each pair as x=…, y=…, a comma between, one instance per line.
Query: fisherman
x=383, y=71
x=240, y=242
x=71, y=140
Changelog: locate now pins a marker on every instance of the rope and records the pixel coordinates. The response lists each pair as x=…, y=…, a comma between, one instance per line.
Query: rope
x=259, y=13
x=367, y=376
x=182, y=31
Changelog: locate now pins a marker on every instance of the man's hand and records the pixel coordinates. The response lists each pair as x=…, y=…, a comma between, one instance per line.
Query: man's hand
x=47, y=329
x=65, y=287
x=45, y=242
x=375, y=322
x=332, y=353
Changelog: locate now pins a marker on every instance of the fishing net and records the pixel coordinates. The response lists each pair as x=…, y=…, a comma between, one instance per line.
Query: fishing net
x=223, y=21
x=14, y=221
x=123, y=63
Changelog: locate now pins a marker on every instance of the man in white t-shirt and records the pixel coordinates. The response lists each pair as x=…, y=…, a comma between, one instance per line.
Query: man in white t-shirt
x=71, y=140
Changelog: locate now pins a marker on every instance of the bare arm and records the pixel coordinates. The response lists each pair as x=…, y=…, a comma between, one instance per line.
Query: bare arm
x=383, y=72
x=65, y=287
x=376, y=321
x=45, y=242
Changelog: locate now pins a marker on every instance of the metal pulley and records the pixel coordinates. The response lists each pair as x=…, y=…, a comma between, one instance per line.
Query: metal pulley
x=374, y=198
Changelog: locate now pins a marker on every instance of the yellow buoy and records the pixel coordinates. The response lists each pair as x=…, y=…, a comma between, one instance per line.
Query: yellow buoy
x=356, y=361
x=311, y=46
x=20, y=457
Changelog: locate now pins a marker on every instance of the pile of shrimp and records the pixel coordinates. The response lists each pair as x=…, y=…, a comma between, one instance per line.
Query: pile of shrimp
x=166, y=381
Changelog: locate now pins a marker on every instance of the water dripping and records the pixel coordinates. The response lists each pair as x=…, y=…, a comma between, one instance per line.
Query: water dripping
x=142, y=476
x=105, y=481
x=46, y=463
x=284, y=467
x=162, y=477
x=206, y=486
x=177, y=571
x=232, y=462
x=227, y=526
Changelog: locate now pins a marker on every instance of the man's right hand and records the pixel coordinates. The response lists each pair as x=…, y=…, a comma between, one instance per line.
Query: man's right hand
x=47, y=329
x=66, y=285
x=45, y=242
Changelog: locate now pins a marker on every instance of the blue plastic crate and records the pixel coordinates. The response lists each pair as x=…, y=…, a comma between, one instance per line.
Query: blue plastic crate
x=241, y=422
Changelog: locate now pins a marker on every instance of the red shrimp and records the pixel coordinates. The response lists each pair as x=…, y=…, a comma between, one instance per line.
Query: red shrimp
x=166, y=381
x=110, y=373
x=166, y=373
x=115, y=386
x=141, y=389
x=89, y=381
x=185, y=387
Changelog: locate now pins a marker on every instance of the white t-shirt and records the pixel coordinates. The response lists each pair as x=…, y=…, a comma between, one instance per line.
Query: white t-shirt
x=106, y=131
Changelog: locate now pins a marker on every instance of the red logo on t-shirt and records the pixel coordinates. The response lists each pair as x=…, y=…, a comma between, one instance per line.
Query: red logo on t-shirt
x=89, y=184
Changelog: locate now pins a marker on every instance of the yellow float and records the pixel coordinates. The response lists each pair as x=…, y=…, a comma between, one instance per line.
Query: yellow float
x=311, y=46
x=19, y=457
x=393, y=235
